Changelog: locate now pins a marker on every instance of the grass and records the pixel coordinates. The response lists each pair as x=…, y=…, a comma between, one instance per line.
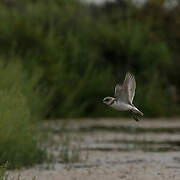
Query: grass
x=18, y=145
x=70, y=146
x=3, y=172
x=58, y=138
x=18, y=122
x=68, y=152
x=5, y=176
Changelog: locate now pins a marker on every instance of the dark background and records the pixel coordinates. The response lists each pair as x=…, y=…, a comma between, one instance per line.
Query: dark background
x=76, y=53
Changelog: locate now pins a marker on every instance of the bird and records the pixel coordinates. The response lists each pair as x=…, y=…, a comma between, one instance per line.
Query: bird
x=123, y=97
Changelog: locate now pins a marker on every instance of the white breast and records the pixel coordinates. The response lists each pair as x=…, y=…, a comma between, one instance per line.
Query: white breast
x=121, y=106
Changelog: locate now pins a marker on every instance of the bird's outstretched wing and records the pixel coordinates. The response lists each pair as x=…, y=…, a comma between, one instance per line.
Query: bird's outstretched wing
x=121, y=93
x=130, y=85
x=126, y=91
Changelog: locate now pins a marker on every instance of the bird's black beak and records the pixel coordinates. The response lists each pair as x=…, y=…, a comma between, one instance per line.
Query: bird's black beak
x=100, y=100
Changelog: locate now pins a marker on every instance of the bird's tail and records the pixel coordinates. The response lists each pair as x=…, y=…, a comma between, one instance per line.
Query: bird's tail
x=136, y=113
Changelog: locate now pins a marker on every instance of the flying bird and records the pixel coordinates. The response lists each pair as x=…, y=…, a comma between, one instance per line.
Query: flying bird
x=124, y=95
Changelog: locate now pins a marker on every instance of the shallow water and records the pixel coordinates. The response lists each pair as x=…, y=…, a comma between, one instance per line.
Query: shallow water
x=121, y=136
x=107, y=149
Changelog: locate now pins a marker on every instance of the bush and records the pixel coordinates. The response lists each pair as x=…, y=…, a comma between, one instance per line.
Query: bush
x=18, y=135
x=56, y=39
x=80, y=64
x=127, y=44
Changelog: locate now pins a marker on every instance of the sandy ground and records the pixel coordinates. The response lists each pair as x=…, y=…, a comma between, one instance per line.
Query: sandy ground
x=111, y=164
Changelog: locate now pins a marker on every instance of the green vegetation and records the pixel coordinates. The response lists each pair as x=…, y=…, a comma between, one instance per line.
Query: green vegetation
x=83, y=51
x=5, y=176
x=69, y=153
x=60, y=47
x=59, y=58
x=3, y=173
x=18, y=121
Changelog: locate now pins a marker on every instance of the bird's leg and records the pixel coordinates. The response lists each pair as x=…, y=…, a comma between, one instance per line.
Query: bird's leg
x=135, y=116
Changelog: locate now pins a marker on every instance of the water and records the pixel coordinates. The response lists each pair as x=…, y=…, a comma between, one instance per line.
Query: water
x=168, y=3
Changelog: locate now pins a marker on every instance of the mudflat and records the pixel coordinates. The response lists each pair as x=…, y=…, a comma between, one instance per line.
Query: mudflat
x=108, y=149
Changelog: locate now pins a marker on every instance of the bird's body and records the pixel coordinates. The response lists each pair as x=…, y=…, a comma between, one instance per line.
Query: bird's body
x=120, y=106
x=124, y=95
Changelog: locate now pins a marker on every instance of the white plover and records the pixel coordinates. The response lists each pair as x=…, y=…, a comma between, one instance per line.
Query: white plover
x=124, y=95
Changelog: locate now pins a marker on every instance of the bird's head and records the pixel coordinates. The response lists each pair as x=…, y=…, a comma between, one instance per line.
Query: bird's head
x=109, y=100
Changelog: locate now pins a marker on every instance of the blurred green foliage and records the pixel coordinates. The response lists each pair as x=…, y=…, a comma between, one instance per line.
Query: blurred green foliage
x=18, y=119
x=82, y=51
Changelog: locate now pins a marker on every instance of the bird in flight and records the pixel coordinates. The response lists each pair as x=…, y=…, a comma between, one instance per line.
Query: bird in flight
x=124, y=95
